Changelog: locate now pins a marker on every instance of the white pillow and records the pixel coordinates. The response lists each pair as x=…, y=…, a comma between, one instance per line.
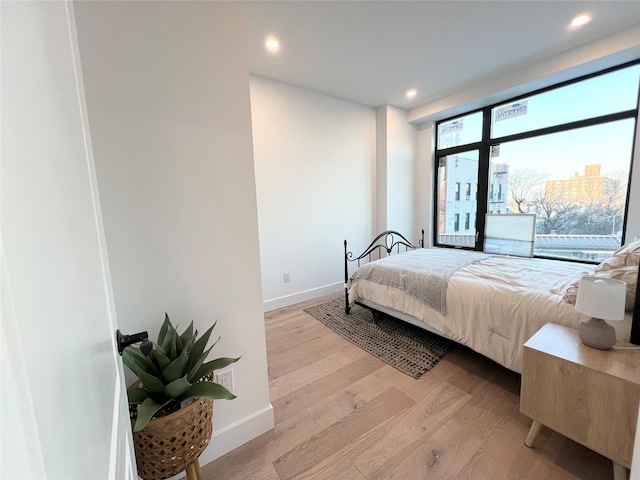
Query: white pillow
x=627, y=255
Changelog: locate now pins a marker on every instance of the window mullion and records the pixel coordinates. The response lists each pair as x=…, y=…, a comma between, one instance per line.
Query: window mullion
x=483, y=178
x=564, y=127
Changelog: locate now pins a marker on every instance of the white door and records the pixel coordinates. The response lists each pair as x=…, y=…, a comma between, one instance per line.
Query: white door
x=63, y=409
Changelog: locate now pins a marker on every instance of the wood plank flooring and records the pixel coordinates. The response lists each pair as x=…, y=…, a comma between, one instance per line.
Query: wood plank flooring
x=343, y=414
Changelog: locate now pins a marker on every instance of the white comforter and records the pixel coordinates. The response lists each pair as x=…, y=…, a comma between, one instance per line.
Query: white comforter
x=495, y=305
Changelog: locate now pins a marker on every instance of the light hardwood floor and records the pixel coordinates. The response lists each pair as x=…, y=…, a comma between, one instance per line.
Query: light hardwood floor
x=343, y=414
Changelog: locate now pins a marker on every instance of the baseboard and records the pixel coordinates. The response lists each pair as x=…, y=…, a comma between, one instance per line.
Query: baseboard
x=235, y=435
x=294, y=298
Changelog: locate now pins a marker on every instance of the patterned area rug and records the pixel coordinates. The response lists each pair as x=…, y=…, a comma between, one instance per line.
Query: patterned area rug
x=406, y=347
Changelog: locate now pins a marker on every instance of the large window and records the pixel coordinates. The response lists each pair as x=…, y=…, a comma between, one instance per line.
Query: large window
x=454, y=170
x=562, y=154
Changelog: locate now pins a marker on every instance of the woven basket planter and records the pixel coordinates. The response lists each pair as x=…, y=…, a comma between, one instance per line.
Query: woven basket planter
x=168, y=445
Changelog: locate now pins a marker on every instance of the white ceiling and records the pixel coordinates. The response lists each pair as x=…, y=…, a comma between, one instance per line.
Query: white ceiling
x=372, y=52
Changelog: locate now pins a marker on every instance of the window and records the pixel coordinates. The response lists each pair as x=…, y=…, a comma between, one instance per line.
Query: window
x=452, y=171
x=460, y=131
x=601, y=95
x=562, y=154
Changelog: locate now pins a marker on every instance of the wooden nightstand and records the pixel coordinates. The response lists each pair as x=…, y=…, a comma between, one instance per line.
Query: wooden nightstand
x=588, y=395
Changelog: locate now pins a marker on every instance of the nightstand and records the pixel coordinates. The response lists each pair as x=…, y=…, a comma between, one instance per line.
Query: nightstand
x=590, y=396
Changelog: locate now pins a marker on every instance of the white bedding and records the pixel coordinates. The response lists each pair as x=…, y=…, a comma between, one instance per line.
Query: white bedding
x=494, y=305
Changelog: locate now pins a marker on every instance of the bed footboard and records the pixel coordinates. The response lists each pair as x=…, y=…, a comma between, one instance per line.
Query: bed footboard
x=385, y=244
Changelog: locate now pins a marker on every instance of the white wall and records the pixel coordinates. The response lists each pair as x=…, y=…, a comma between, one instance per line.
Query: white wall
x=401, y=173
x=167, y=89
x=397, y=168
x=381, y=170
x=315, y=177
x=423, y=183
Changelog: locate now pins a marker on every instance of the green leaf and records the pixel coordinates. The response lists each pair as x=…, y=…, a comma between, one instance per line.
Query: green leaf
x=187, y=346
x=137, y=395
x=145, y=412
x=176, y=369
x=177, y=387
x=198, y=363
x=173, y=350
x=169, y=342
x=178, y=344
x=151, y=383
x=144, y=363
x=160, y=356
x=223, y=362
x=129, y=361
x=187, y=337
x=198, y=347
x=164, y=328
x=209, y=367
x=193, y=340
x=208, y=390
x=156, y=346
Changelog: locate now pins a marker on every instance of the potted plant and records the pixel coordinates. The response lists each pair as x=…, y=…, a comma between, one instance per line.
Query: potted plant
x=172, y=401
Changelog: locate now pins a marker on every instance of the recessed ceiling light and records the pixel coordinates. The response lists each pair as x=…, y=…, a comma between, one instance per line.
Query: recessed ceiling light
x=272, y=44
x=412, y=93
x=580, y=20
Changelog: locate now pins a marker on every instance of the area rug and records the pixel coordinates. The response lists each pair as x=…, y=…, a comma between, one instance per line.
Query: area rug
x=406, y=347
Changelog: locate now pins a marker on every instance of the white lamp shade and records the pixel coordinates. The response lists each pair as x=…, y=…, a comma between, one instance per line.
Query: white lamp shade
x=601, y=298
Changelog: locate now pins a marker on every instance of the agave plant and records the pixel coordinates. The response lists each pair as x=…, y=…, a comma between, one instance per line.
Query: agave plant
x=173, y=373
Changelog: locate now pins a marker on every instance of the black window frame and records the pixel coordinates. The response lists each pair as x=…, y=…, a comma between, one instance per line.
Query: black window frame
x=484, y=146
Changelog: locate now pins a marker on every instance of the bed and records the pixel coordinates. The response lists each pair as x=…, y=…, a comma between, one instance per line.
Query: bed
x=490, y=303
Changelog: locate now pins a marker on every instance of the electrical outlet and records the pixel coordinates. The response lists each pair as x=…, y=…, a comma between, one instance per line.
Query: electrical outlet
x=225, y=379
x=286, y=277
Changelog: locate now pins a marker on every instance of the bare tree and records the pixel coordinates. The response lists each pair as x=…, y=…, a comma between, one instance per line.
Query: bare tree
x=555, y=214
x=604, y=212
x=614, y=194
x=524, y=184
x=592, y=188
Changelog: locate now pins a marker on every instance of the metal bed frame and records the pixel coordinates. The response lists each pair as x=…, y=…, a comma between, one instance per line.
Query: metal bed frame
x=386, y=242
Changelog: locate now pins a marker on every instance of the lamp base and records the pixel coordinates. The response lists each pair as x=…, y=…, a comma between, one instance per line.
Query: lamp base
x=597, y=333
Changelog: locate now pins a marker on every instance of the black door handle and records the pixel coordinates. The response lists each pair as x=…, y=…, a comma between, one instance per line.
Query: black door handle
x=125, y=340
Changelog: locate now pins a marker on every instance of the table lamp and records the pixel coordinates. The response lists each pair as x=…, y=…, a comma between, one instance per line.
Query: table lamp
x=602, y=299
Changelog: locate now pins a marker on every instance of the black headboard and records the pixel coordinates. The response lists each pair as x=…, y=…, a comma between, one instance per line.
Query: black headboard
x=386, y=242
x=635, y=324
